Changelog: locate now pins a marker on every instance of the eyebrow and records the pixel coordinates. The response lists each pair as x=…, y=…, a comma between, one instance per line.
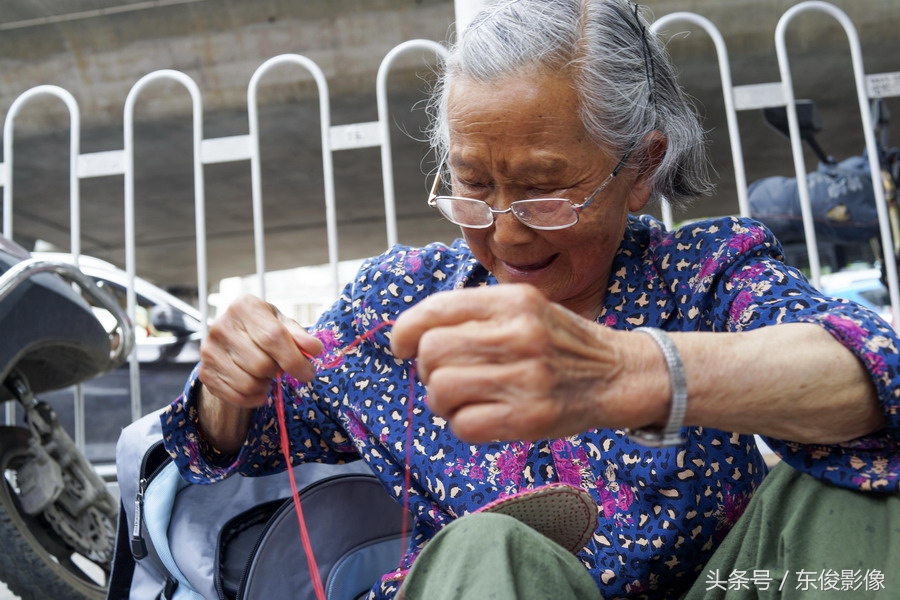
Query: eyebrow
x=532, y=168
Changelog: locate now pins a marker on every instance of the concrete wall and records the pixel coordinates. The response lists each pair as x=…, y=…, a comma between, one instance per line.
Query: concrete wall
x=98, y=55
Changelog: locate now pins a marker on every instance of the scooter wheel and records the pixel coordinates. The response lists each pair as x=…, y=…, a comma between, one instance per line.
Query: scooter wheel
x=35, y=563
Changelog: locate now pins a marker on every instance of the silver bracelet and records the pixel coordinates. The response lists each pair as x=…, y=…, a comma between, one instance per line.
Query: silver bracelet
x=670, y=435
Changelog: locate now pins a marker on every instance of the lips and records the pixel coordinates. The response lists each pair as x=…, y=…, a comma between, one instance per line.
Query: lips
x=530, y=269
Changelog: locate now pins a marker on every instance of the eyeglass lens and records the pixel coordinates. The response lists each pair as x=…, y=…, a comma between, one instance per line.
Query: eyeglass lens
x=542, y=213
x=550, y=213
x=465, y=212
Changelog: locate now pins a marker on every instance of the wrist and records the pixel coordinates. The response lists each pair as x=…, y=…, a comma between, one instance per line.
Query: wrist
x=222, y=426
x=669, y=434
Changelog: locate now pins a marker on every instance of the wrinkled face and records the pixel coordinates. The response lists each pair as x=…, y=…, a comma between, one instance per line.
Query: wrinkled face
x=522, y=138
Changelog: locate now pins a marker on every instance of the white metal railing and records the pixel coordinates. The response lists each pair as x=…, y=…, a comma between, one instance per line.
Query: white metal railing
x=327, y=166
x=871, y=144
x=384, y=125
x=209, y=151
x=74, y=203
x=199, y=209
x=370, y=134
x=74, y=151
x=758, y=96
x=734, y=135
x=335, y=138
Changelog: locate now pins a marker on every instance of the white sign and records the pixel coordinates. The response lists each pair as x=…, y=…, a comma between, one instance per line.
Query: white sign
x=883, y=85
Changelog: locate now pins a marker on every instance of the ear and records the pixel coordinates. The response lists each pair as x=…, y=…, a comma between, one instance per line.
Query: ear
x=646, y=160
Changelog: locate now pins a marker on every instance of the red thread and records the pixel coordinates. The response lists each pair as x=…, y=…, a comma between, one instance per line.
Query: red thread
x=406, y=460
x=336, y=357
x=334, y=360
x=295, y=494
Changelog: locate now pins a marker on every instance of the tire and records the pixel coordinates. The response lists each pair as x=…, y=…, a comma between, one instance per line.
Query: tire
x=35, y=561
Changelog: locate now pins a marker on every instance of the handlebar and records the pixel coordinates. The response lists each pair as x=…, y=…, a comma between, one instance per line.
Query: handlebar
x=20, y=272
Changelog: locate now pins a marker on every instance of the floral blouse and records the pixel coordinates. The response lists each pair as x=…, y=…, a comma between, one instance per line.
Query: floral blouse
x=662, y=511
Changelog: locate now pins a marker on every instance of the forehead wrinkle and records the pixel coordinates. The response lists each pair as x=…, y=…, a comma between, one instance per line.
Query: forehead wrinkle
x=522, y=149
x=512, y=129
x=530, y=169
x=507, y=126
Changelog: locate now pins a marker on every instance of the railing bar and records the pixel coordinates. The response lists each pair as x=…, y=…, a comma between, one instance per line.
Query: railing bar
x=199, y=210
x=387, y=160
x=327, y=164
x=871, y=145
x=734, y=135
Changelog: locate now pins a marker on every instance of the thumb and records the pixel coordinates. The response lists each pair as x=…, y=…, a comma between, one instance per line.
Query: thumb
x=308, y=343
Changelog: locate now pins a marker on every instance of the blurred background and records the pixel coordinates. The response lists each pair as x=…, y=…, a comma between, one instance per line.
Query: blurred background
x=98, y=50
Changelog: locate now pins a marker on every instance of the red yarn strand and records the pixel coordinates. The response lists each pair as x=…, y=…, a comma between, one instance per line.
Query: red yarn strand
x=332, y=361
x=295, y=494
x=406, y=460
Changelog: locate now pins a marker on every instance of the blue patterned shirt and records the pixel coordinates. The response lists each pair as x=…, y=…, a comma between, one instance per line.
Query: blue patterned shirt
x=662, y=511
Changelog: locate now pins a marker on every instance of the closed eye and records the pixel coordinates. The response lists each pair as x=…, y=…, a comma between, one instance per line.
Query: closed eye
x=473, y=187
x=469, y=188
x=547, y=192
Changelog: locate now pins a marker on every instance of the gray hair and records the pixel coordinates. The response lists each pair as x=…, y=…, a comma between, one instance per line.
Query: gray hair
x=621, y=72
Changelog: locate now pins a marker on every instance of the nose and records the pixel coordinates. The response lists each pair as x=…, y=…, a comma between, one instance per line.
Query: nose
x=508, y=230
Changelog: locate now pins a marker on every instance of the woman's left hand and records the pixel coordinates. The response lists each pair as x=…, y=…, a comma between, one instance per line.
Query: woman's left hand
x=503, y=362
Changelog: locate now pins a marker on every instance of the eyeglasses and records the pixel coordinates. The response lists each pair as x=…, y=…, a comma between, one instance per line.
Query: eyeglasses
x=538, y=213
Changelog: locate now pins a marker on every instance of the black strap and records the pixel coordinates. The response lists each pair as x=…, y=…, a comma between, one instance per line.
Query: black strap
x=122, y=562
x=169, y=590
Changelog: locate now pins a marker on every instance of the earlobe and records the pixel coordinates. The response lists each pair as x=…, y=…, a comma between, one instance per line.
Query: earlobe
x=646, y=160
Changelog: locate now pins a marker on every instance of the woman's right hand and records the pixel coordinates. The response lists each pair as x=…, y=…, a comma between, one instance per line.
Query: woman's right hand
x=246, y=347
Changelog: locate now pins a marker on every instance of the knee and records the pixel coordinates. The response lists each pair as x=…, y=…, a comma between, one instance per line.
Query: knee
x=484, y=530
x=494, y=555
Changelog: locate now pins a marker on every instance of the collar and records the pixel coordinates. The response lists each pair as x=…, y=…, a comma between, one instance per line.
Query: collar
x=637, y=294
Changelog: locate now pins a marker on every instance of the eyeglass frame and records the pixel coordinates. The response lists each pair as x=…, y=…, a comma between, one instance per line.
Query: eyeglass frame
x=577, y=208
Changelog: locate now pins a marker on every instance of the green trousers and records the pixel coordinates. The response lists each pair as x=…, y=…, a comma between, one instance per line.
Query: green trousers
x=799, y=538
x=803, y=539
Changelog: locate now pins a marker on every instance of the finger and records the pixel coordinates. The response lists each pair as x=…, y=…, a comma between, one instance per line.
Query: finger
x=459, y=306
x=450, y=388
x=247, y=346
x=234, y=385
x=521, y=405
x=480, y=343
x=484, y=422
x=233, y=369
x=308, y=344
x=275, y=342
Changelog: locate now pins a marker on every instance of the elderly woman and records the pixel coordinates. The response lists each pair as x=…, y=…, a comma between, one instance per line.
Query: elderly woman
x=541, y=340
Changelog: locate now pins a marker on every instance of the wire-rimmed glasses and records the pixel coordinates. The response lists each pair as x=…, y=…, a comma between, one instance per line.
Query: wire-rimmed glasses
x=538, y=213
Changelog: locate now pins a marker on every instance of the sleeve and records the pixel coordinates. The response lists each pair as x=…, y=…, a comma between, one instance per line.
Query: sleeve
x=315, y=435
x=316, y=411
x=752, y=288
